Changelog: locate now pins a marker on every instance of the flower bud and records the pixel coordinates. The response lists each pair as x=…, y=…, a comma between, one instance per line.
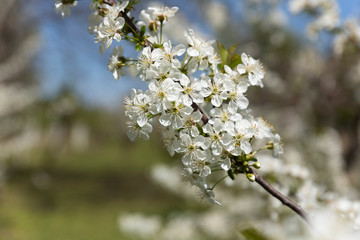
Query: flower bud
x=251, y=177
x=256, y=165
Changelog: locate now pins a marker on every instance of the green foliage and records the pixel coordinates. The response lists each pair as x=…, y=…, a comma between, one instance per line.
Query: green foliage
x=252, y=234
x=231, y=174
x=228, y=56
x=81, y=192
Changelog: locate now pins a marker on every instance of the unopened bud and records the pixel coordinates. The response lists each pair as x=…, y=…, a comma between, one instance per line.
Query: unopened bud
x=256, y=165
x=270, y=145
x=251, y=177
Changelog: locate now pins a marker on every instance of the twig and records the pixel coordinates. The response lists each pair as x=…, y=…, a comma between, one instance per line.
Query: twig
x=204, y=118
x=283, y=199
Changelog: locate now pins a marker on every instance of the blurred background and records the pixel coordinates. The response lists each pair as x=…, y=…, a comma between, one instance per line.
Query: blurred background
x=67, y=168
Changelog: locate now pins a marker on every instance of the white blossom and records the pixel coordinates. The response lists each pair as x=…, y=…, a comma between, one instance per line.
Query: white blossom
x=109, y=30
x=236, y=140
x=113, y=11
x=169, y=53
x=190, y=91
x=217, y=88
x=169, y=137
x=174, y=115
x=147, y=60
x=149, y=20
x=193, y=148
x=198, y=47
x=137, y=131
x=253, y=68
x=222, y=117
x=163, y=13
x=116, y=63
x=163, y=93
x=191, y=124
x=63, y=7
x=237, y=98
x=215, y=136
x=137, y=107
x=277, y=146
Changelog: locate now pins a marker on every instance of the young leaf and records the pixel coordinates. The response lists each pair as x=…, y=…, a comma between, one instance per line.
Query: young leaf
x=142, y=31
x=138, y=47
x=235, y=60
x=223, y=52
x=252, y=234
x=231, y=174
x=231, y=51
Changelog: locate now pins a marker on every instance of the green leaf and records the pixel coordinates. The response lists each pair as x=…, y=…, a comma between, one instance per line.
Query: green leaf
x=231, y=174
x=235, y=60
x=138, y=47
x=142, y=31
x=231, y=51
x=252, y=234
x=223, y=52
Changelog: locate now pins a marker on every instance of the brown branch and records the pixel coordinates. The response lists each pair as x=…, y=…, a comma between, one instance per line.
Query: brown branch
x=196, y=107
x=283, y=199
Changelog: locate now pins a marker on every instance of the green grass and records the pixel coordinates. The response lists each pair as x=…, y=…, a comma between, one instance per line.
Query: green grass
x=85, y=192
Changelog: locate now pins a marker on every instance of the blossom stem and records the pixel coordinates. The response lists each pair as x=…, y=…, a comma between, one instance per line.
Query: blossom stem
x=187, y=62
x=220, y=180
x=183, y=61
x=283, y=199
x=161, y=31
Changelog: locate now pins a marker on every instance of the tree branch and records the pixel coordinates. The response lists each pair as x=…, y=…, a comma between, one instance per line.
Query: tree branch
x=204, y=118
x=283, y=199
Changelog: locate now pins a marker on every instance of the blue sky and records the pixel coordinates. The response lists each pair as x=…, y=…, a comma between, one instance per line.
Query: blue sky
x=70, y=57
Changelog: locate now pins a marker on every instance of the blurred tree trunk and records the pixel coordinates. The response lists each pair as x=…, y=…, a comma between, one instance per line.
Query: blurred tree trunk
x=18, y=88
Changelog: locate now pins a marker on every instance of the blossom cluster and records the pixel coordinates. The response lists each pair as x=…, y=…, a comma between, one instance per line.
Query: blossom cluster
x=106, y=23
x=180, y=91
x=197, y=98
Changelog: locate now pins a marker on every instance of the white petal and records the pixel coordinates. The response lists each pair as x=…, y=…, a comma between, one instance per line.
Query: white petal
x=226, y=164
x=226, y=139
x=131, y=135
x=216, y=148
x=186, y=159
x=194, y=131
x=179, y=122
x=187, y=101
x=241, y=69
x=242, y=102
x=179, y=50
x=201, y=155
x=246, y=147
x=193, y=52
x=165, y=119
x=142, y=120
x=216, y=100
